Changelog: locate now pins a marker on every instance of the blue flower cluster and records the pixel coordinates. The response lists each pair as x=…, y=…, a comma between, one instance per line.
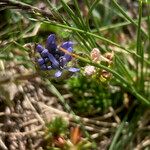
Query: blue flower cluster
x=53, y=58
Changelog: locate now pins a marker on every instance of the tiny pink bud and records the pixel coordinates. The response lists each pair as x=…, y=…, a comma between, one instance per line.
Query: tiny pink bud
x=95, y=55
x=109, y=56
x=59, y=141
x=106, y=74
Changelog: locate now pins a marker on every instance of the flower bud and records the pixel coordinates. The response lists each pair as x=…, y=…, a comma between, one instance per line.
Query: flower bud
x=109, y=56
x=59, y=141
x=89, y=70
x=105, y=74
x=95, y=55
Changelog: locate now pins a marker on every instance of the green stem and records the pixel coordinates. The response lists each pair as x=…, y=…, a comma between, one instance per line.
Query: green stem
x=127, y=17
x=118, y=76
x=93, y=35
x=140, y=77
x=117, y=25
x=77, y=20
x=119, y=130
x=94, y=4
x=117, y=134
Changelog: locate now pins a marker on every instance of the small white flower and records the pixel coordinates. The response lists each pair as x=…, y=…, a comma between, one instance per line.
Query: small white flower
x=89, y=70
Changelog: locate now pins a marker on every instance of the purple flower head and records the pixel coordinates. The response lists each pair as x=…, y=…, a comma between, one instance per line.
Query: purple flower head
x=51, y=43
x=53, y=58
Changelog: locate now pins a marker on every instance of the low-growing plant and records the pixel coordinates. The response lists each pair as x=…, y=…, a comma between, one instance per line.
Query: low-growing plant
x=59, y=136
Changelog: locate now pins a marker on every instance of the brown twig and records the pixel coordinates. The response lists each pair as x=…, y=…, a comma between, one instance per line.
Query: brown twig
x=18, y=78
x=2, y=145
x=27, y=7
x=71, y=54
x=12, y=115
x=2, y=133
x=71, y=117
x=32, y=107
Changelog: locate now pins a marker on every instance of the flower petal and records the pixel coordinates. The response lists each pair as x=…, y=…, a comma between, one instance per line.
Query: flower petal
x=89, y=70
x=55, y=63
x=95, y=55
x=46, y=60
x=62, y=61
x=44, y=53
x=73, y=69
x=68, y=57
x=67, y=45
x=49, y=67
x=39, y=48
x=51, y=43
x=43, y=67
x=41, y=61
x=58, y=73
